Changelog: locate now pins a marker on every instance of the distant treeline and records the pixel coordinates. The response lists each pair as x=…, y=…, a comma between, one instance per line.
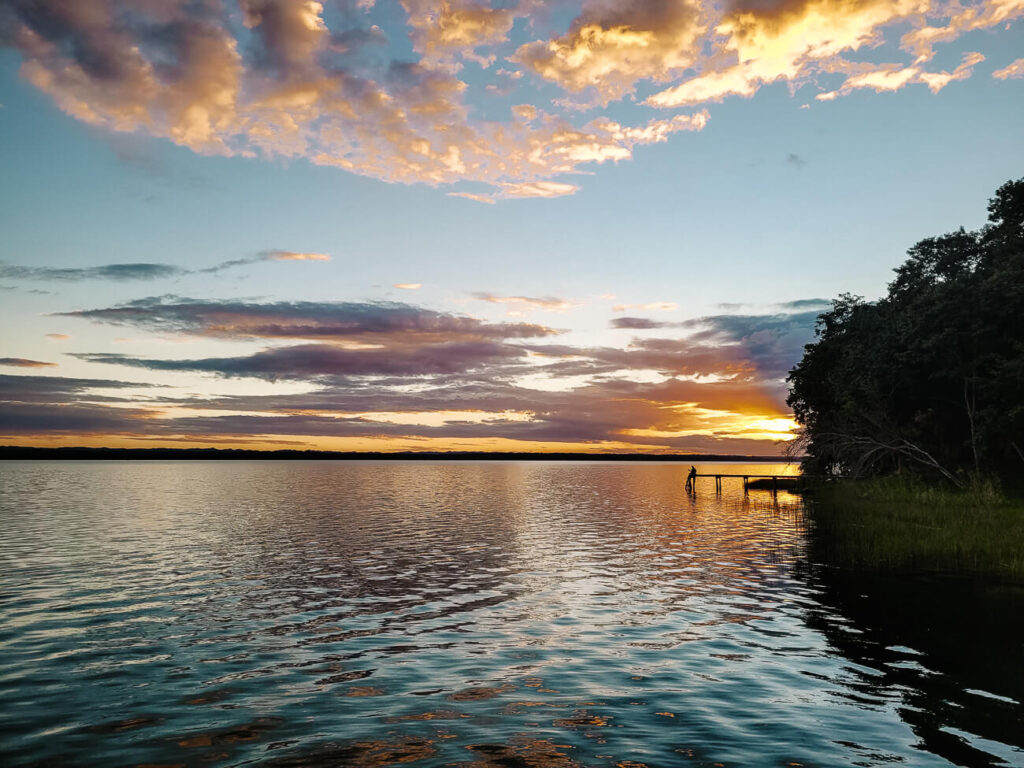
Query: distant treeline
x=9, y=452
x=930, y=378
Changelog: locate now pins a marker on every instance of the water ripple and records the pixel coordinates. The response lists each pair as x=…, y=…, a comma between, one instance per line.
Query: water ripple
x=478, y=614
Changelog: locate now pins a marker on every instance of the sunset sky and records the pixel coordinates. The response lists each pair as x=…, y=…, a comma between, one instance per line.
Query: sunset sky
x=468, y=224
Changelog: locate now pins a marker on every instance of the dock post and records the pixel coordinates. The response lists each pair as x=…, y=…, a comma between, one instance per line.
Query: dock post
x=775, y=484
x=746, y=484
x=718, y=483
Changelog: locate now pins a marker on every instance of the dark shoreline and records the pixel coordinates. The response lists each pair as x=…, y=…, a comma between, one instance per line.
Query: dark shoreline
x=22, y=453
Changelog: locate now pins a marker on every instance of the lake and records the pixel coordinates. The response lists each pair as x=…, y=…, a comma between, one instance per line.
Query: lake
x=475, y=613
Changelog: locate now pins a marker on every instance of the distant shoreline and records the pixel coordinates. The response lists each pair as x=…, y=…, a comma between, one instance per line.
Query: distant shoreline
x=23, y=453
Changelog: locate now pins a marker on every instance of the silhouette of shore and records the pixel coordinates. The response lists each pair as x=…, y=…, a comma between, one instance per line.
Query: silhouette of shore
x=15, y=452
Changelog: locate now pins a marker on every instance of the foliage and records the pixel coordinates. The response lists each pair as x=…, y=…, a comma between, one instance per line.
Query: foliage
x=930, y=378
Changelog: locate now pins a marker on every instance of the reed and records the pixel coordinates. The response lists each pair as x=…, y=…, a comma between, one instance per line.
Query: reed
x=905, y=523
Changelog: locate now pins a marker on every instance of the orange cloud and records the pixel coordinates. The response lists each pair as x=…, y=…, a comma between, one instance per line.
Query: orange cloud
x=538, y=189
x=962, y=19
x=784, y=42
x=549, y=303
x=611, y=47
x=21, y=362
x=299, y=82
x=892, y=77
x=448, y=29
x=1014, y=70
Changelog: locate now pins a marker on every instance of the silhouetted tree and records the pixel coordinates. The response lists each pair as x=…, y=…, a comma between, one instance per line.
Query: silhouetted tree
x=931, y=377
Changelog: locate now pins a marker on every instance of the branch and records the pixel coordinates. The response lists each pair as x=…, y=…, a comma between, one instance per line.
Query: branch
x=870, y=449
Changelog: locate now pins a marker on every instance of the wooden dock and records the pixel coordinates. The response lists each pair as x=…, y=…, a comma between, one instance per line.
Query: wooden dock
x=776, y=486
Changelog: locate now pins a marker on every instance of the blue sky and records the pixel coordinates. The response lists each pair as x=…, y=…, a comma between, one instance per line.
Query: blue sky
x=759, y=200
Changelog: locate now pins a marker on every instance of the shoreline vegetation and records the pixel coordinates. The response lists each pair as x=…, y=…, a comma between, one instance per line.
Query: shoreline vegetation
x=906, y=523
x=23, y=453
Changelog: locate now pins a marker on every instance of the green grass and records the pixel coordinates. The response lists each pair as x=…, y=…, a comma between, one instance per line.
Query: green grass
x=900, y=523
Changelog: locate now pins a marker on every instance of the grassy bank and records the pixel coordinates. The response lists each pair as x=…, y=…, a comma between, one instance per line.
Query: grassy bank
x=898, y=523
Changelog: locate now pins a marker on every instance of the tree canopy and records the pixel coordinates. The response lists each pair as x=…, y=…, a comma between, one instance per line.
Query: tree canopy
x=930, y=378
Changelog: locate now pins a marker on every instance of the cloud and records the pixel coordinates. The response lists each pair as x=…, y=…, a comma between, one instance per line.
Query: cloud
x=69, y=419
x=299, y=78
x=294, y=256
x=399, y=340
x=262, y=256
x=768, y=345
x=308, y=361
x=144, y=271
x=414, y=377
x=611, y=47
x=445, y=31
x=58, y=389
x=674, y=414
x=893, y=77
x=409, y=286
x=116, y=272
x=803, y=304
x=784, y=41
x=480, y=197
x=1013, y=70
x=666, y=306
x=291, y=86
x=22, y=362
x=549, y=303
x=509, y=191
x=800, y=40
x=962, y=19
x=58, y=336
x=537, y=189
x=367, y=322
x=795, y=160
x=638, y=323
x=773, y=344
x=760, y=43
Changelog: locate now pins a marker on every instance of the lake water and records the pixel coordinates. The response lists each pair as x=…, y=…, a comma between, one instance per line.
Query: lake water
x=473, y=613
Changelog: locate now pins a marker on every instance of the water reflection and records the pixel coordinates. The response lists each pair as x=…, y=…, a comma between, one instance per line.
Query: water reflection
x=946, y=651
x=480, y=614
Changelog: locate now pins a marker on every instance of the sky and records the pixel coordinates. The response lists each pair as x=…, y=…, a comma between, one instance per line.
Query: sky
x=469, y=224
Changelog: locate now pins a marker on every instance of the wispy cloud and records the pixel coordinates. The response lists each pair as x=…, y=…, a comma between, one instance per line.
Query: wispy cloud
x=262, y=256
x=663, y=306
x=295, y=256
x=310, y=361
x=144, y=270
x=21, y=362
x=409, y=286
x=893, y=77
x=367, y=322
x=54, y=389
x=116, y=272
x=799, y=305
x=639, y=323
x=548, y=303
x=1013, y=70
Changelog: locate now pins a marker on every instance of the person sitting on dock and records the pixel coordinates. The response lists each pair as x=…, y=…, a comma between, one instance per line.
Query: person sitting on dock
x=691, y=479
